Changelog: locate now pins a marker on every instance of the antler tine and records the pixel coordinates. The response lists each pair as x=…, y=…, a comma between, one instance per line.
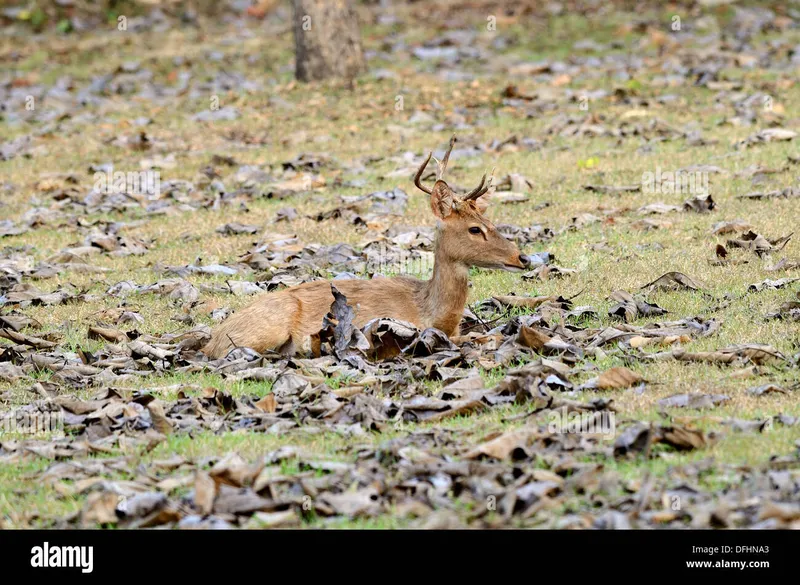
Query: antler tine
x=477, y=191
x=418, y=176
x=443, y=164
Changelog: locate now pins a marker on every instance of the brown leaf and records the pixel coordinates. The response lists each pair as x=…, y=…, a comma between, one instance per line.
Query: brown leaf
x=533, y=337
x=758, y=243
x=353, y=504
x=205, y=490
x=23, y=339
x=787, y=512
x=170, y=464
x=388, y=337
x=617, y=378
x=109, y=334
x=160, y=421
x=141, y=505
x=683, y=438
x=634, y=439
x=526, y=302
x=629, y=308
x=783, y=265
x=511, y=444
x=433, y=409
x=614, y=189
x=100, y=508
x=18, y=322
x=235, y=228
x=141, y=349
x=642, y=341
x=729, y=227
x=267, y=404
x=77, y=406
x=348, y=391
x=657, y=208
x=672, y=281
x=700, y=204
x=766, y=389
x=235, y=471
x=757, y=353
x=273, y=519
x=232, y=500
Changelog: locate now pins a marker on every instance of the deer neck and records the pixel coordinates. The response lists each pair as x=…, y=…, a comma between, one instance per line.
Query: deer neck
x=445, y=294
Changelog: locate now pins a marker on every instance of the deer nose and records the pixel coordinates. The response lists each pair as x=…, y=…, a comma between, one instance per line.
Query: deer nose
x=524, y=260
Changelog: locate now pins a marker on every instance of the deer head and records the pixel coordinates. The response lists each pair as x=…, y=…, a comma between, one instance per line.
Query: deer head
x=465, y=235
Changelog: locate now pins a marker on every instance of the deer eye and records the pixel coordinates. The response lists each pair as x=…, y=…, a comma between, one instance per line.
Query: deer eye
x=475, y=230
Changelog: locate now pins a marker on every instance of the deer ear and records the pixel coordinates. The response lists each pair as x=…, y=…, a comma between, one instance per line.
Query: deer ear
x=441, y=200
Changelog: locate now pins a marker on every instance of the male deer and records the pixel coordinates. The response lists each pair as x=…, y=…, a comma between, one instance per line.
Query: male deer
x=287, y=319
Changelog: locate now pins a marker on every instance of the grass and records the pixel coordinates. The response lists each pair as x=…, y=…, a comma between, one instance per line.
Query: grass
x=352, y=125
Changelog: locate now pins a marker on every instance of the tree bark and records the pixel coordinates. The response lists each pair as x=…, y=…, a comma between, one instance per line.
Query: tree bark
x=327, y=40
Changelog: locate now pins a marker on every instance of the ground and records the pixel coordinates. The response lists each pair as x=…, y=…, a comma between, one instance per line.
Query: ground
x=570, y=106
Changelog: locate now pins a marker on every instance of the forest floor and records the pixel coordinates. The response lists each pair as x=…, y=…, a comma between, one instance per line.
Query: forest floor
x=587, y=392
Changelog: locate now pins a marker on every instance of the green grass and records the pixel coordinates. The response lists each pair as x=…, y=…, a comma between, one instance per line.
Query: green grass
x=354, y=126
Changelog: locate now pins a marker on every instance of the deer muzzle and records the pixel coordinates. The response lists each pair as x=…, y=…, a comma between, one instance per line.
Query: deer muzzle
x=521, y=263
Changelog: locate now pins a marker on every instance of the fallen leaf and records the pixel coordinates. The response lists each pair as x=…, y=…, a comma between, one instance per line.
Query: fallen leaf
x=160, y=421
x=617, y=378
x=672, y=281
x=267, y=404
x=205, y=490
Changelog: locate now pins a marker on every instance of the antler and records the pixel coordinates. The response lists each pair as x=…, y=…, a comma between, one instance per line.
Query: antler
x=442, y=166
x=418, y=176
x=481, y=189
x=477, y=191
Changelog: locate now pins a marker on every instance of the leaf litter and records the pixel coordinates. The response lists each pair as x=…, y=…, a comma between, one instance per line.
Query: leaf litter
x=543, y=346
x=230, y=490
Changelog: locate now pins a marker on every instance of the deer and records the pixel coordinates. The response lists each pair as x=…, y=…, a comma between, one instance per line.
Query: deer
x=285, y=321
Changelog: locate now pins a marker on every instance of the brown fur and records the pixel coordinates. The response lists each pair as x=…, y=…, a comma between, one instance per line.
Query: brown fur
x=291, y=316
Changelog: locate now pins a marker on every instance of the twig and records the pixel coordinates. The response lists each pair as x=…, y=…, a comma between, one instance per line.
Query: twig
x=481, y=321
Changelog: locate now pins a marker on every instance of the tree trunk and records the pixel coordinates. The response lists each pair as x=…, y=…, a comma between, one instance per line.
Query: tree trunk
x=327, y=40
